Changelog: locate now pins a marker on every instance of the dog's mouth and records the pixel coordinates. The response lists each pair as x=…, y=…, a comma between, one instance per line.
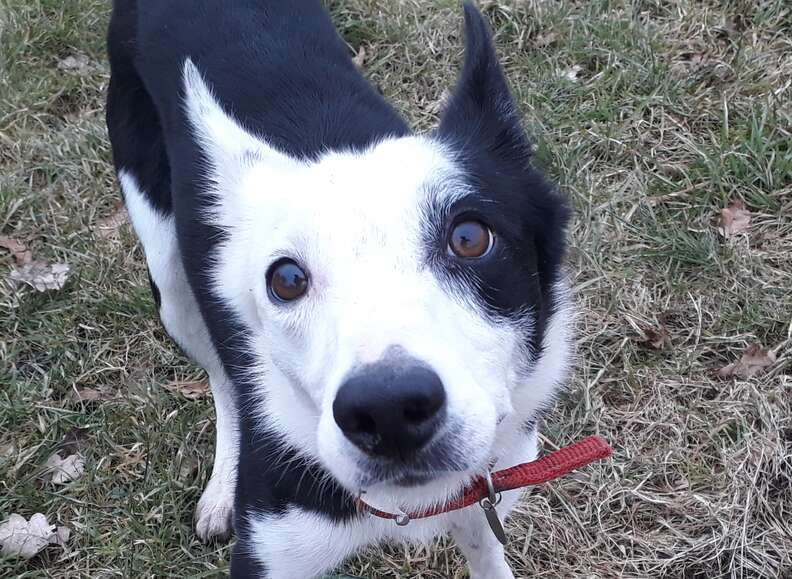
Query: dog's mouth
x=405, y=479
x=442, y=460
x=413, y=479
x=381, y=475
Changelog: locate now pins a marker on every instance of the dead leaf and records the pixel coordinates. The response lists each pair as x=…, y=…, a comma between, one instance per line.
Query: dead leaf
x=109, y=227
x=740, y=22
x=190, y=390
x=734, y=219
x=656, y=338
x=439, y=105
x=74, y=441
x=573, y=73
x=133, y=460
x=62, y=535
x=22, y=538
x=694, y=58
x=60, y=471
x=87, y=394
x=188, y=468
x=19, y=251
x=42, y=276
x=754, y=361
x=76, y=62
x=7, y=449
x=360, y=58
x=545, y=39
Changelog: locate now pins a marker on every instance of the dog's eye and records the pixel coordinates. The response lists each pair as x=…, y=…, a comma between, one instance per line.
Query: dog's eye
x=287, y=280
x=470, y=239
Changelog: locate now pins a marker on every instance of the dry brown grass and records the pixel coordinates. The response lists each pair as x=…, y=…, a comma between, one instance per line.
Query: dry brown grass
x=678, y=108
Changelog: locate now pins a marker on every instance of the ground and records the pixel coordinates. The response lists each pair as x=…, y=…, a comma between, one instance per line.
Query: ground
x=652, y=115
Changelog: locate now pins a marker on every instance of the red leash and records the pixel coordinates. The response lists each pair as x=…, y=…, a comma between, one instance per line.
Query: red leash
x=485, y=491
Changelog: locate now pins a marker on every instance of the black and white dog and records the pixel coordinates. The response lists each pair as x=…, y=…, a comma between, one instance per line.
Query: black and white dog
x=378, y=312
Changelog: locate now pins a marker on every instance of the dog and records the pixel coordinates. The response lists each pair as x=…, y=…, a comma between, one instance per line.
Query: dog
x=381, y=314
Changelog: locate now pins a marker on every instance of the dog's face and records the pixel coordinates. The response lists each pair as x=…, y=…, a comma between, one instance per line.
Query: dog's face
x=396, y=297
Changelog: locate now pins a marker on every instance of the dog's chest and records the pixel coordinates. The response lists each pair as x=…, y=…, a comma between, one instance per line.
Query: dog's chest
x=303, y=544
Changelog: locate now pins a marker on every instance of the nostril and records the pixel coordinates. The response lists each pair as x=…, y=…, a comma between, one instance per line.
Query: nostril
x=391, y=409
x=417, y=410
x=363, y=423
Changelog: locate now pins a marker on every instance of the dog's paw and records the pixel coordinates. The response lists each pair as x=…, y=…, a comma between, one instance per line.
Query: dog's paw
x=214, y=512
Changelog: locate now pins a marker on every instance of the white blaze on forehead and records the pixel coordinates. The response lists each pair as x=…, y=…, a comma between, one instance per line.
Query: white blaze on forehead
x=376, y=192
x=227, y=146
x=388, y=176
x=361, y=209
x=350, y=218
x=353, y=219
x=219, y=134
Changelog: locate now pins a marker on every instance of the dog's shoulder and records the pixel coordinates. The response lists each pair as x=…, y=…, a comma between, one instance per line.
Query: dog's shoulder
x=279, y=67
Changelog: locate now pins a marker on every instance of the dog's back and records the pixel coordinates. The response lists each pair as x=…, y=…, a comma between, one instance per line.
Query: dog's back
x=279, y=66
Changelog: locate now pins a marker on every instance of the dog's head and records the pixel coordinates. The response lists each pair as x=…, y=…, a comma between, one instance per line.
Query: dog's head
x=401, y=299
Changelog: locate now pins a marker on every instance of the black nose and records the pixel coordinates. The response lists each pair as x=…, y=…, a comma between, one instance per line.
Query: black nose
x=392, y=408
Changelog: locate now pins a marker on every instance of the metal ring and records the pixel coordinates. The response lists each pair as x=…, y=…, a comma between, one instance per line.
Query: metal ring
x=493, y=498
x=491, y=488
x=402, y=519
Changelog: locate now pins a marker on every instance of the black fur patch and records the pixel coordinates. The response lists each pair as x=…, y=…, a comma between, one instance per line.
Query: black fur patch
x=272, y=478
x=133, y=122
x=243, y=564
x=482, y=127
x=154, y=291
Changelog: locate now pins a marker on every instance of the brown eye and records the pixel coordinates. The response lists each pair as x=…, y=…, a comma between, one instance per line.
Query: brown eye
x=287, y=280
x=470, y=239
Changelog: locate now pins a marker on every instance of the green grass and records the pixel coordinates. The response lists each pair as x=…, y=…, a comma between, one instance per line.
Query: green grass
x=680, y=107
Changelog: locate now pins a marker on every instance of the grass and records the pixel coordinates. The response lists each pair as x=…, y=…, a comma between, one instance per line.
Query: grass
x=678, y=107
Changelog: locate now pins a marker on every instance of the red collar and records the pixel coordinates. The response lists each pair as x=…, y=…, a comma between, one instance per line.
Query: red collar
x=547, y=468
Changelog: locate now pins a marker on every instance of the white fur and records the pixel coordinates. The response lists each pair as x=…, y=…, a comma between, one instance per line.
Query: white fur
x=182, y=319
x=306, y=545
x=354, y=221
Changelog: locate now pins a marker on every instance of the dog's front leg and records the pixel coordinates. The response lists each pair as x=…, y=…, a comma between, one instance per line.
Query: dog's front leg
x=470, y=529
x=295, y=544
x=215, y=508
x=484, y=553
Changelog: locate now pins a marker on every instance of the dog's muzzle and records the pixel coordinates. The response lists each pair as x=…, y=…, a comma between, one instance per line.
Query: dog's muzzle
x=392, y=409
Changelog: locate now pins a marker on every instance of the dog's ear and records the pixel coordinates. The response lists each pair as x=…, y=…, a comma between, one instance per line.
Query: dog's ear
x=481, y=109
x=226, y=146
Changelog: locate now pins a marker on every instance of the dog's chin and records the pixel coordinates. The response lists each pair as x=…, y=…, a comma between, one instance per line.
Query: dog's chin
x=436, y=474
x=414, y=486
x=436, y=465
x=415, y=490
x=405, y=479
x=413, y=480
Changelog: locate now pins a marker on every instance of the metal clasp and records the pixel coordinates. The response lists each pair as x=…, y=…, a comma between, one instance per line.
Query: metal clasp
x=489, y=503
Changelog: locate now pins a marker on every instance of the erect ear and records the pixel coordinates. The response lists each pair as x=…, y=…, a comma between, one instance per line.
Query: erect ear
x=227, y=147
x=481, y=109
